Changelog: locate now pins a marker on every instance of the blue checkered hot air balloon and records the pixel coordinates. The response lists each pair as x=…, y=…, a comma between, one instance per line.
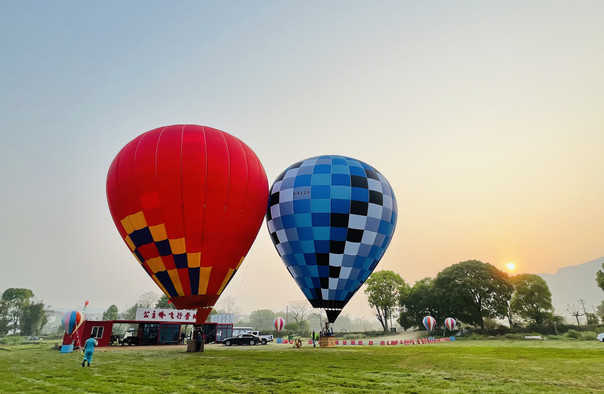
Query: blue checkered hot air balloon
x=331, y=219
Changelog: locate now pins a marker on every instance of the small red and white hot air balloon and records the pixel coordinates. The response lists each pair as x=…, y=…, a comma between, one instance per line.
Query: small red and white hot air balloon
x=450, y=323
x=279, y=323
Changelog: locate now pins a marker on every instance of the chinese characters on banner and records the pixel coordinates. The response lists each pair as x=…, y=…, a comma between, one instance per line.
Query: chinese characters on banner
x=166, y=315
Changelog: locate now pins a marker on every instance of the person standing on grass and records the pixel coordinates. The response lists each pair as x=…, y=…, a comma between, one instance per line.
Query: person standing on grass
x=314, y=338
x=89, y=349
x=200, y=338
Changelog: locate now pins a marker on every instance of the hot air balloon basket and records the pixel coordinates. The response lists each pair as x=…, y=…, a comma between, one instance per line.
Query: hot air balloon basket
x=327, y=341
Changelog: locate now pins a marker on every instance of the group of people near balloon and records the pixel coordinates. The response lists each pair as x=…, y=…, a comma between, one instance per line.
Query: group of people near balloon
x=189, y=200
x=327, y=331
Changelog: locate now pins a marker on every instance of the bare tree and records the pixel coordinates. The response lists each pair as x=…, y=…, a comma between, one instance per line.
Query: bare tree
x=147, y=300
x=573, y=310
x=297, y=310
x=228, y=305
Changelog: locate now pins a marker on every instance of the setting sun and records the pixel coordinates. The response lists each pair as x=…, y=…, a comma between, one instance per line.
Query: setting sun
x=511, y=266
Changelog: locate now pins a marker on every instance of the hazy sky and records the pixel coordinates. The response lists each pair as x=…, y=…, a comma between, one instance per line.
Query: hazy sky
x=486, y=117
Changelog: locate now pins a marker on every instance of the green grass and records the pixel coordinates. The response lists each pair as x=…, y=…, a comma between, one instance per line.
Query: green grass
x=461, y=367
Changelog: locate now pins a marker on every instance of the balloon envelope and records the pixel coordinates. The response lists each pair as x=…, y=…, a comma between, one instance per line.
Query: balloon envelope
x=429, y=323
x=72, y=320
x=279, y=323
x=331, y=219
x=188, y=201
x=450, y=323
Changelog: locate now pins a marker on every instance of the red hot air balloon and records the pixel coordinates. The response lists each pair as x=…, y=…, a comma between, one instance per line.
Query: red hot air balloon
x=188, y=201
x=279, y=323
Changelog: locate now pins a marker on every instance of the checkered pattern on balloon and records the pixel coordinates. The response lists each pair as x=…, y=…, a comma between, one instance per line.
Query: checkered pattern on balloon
x=331, y=219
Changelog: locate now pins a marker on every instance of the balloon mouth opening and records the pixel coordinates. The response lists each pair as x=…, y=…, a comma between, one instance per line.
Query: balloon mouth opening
x=332, y=314
x=203, y=304
x=202, y=315
x=194, y=301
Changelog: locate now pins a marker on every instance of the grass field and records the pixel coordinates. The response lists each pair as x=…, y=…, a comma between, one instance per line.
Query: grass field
x=461, y=366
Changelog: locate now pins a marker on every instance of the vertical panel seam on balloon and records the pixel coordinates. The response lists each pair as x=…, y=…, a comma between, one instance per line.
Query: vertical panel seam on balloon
x=203, y=216
x=182, y=203
x=226, y=197
x=247, y=186
x=156, y=280
x=117, y=185
x=140, y=139
x=182, y=189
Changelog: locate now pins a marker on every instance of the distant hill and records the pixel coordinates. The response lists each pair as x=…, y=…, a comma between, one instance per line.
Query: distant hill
x=570, y=284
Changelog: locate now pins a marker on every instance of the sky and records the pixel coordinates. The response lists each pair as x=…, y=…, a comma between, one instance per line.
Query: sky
x=485, y=117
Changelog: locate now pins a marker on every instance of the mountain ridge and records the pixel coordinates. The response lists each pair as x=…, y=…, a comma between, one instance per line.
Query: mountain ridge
x=573, y=283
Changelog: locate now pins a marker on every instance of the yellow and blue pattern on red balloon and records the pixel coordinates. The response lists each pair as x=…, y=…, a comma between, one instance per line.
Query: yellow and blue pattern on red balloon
x=166, y=260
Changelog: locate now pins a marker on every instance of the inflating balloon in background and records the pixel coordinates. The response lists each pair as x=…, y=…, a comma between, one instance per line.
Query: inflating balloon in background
x=72, y=320
x=450, y=323
x=331, y=219
x=429, y=323
x=279, y=323
x=188, y=201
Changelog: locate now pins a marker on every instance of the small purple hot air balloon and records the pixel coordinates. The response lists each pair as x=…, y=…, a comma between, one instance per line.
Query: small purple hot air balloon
x=450, y=323
x=429, y=323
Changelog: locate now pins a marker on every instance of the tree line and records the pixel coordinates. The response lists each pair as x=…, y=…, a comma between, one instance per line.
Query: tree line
x=21, y=312
x=472, y=292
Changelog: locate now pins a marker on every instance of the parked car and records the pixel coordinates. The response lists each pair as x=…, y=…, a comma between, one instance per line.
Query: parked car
x=242, y=339
x=600, y=337
x=130, y=338
x=264, y=338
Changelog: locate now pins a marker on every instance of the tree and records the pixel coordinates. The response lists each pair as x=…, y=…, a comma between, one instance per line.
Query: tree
x=164, y=303
x=573, y=310
x=418, y=302
x=383, y=290
x=592, y=319
x=343, y=323
x=554, y=321
x=34, y=317
x=601, y=310
x=314, y=321
x=242, y=321
x=15, y=301
x=472, y=291
x=130, y=313
x=262, y=320
x=531, y=299
x=228, y=305
x=111, y=313
x=148, y=299
x=297, y=311
x=600, y=277
x=4, y=319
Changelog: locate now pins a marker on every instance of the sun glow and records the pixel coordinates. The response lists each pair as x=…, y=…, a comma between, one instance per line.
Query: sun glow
x=511, y=266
